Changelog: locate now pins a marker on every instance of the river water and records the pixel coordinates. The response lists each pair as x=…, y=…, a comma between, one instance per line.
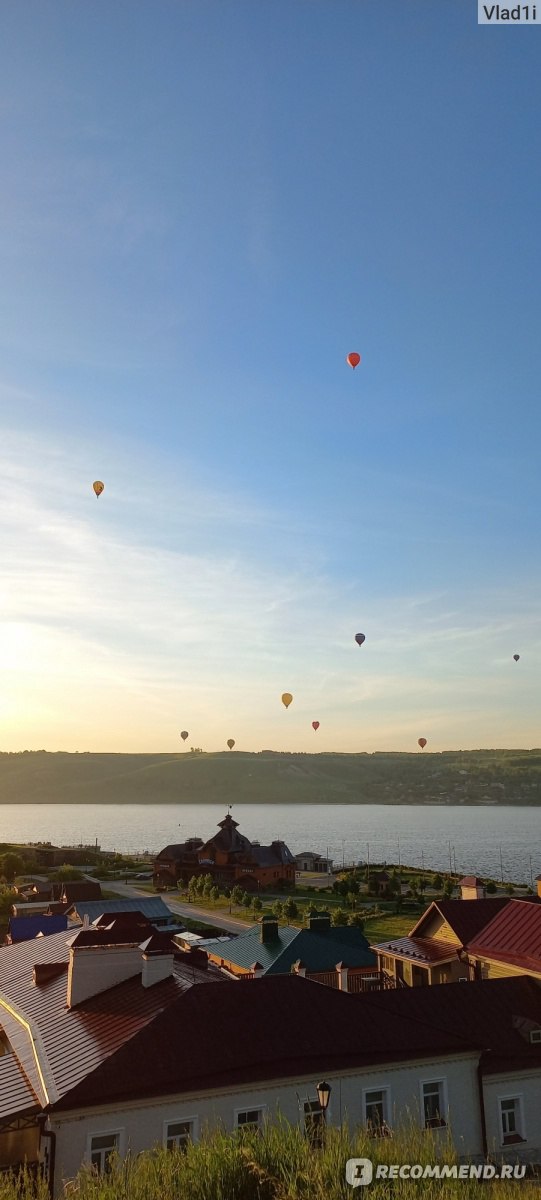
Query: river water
x=501, y=842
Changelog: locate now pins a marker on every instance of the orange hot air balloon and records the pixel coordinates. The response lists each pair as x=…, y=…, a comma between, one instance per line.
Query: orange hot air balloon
x=516, y=657
x=353, y=359
x=230, y=743
x=98, y=487
x=287, y=699
x=184, y=734
x=315, y=724
x=421, y=742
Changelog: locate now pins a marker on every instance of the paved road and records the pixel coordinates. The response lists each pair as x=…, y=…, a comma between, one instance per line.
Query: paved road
x=228, y=923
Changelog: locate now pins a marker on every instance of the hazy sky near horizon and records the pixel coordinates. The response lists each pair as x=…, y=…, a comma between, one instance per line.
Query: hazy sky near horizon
x=206, y=204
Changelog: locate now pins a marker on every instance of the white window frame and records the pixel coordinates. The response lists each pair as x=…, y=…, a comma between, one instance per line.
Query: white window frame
x=193, y=1121
x=102, y=1133
x=521, y=1130
x=441, y=1080
x=386, y=1093
x=259, y=1108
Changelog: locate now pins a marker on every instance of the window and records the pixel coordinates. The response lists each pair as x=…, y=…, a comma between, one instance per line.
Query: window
x=314, y=1122
x=249, y=1118
x=376, y=1112
x=101, y=1147
x=433, y=1102
x=511, y=1119
x=177, y=1134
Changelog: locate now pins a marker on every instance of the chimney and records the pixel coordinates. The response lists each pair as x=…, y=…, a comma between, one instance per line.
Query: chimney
x=158, y=959
x=269, y=929
x=319, y=922
x=98, y=961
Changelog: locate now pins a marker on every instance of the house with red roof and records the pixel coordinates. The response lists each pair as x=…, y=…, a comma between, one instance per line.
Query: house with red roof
x=433, y=952
x=112, y=1039
x=229, y=858
x=509, y=944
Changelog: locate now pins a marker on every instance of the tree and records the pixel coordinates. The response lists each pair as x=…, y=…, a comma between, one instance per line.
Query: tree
x=509, y=889
x=448, y=888
x=277, y=908
x=491, y=888
x=214, y=894
x=437, y=882
x=257, y=904
x=289, y=909
x=351, y=899
x=357, y=920
x=339, y=917
x=66, y=873
x=10, y=866
x=237, y=894
x=7, y=898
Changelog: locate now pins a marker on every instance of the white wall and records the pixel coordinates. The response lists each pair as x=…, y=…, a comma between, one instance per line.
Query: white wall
x=142, y=1125
x=527, y=1085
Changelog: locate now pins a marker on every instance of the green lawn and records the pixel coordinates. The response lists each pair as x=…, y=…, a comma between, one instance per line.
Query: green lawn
x=382, y=929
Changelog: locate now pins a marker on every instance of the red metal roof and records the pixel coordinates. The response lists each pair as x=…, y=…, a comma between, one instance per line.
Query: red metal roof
x=16, y=1095
x=466, y=917
x=77, y=1040
x=514, y=936
x=426, y=950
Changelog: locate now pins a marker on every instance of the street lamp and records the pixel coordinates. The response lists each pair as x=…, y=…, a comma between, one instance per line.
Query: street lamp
x=324, y=1094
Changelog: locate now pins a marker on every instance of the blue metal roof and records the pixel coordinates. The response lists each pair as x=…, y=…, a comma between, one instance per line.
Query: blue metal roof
x=152, y=907
x=21, y=929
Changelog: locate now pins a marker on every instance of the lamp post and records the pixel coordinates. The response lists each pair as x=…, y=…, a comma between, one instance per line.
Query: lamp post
x=324, y=1094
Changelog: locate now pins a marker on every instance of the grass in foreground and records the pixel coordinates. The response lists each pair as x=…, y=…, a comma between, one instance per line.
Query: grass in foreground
x=278, y=1164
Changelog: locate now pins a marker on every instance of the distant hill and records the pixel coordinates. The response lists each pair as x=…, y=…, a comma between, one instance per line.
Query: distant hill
x=454, y=777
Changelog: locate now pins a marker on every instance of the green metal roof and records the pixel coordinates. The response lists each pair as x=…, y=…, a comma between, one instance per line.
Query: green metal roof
x=317, y=951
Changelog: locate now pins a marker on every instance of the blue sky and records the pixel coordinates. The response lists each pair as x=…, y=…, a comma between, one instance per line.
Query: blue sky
x=205, y=206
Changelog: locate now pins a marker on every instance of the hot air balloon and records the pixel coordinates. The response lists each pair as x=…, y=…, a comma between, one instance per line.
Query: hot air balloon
x=98, y=487
x=286, y=699
x=353, y=359
x=184, y=734
x=315, y=724
x=516, y=657
x=421, y=742
x=230, y=743
x=360, y=638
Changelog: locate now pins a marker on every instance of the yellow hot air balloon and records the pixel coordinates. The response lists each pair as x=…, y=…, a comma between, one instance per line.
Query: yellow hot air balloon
x=98, y=487
x=230, y=743
x=286, y=699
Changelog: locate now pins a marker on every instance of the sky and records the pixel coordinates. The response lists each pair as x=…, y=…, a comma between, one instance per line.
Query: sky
x=205, y=206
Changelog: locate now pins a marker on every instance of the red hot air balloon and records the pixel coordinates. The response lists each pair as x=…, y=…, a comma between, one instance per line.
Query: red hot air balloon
x=353, y=359
x=315, y=724
x=516, y=657
x=421, y=742
x=360, y=638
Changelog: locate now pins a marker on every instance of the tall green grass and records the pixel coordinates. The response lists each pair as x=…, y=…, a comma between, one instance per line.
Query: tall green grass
x=277, y=1164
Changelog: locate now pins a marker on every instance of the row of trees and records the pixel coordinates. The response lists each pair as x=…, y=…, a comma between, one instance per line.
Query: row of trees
x=202, y=887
